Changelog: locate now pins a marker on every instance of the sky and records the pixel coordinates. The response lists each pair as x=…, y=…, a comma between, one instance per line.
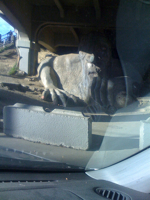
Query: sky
x=5, y=27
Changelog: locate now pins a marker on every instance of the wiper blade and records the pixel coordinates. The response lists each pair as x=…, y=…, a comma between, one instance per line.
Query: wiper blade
x=12, y=159
x=14, y=153
x=16, y=164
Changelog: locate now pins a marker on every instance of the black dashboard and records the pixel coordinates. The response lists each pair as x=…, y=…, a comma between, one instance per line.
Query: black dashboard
x=75, y=186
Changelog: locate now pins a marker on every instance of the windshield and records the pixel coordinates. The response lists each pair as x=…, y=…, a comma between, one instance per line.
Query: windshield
x=75, y=82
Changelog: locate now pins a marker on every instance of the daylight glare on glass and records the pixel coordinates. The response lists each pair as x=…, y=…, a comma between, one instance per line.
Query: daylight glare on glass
x=5, y=27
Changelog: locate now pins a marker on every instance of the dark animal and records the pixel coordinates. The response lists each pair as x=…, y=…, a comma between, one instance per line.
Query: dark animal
x=112, y=90
x=97, y=44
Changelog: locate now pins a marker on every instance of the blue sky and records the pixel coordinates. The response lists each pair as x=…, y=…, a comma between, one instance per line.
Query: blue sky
x=5, y=27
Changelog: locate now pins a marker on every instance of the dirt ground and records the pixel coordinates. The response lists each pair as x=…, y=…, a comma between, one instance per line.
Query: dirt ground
x=18, y=88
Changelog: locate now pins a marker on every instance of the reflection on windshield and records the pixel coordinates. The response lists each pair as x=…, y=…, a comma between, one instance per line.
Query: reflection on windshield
x=88, y=104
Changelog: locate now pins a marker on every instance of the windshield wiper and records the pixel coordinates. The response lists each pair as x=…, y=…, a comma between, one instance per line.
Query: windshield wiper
x=12, y=159
x=14, y=153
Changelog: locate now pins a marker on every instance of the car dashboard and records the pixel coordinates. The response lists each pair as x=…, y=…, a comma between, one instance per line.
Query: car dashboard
x=40, y=185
